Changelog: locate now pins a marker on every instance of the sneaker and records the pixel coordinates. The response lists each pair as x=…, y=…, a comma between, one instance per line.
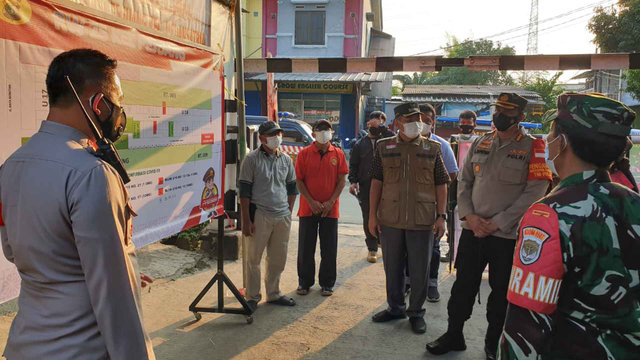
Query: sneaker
x=432, y=294
x=385, y=315
x=327, y=291
x=444, y=257
x=447, y=342
x=372, y=257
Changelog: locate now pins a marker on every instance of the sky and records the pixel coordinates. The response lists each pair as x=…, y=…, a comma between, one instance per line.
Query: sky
x=423, y=25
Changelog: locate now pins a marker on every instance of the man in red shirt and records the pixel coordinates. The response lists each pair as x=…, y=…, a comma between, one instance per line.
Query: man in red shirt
x=320, y=176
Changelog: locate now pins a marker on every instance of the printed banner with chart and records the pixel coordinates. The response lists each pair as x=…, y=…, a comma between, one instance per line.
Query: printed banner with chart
x=172, y=146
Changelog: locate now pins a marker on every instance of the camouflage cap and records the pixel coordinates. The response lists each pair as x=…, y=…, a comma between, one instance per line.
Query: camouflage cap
x=593, y=111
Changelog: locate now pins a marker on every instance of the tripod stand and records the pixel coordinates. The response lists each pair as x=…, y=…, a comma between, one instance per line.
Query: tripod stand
x=222, y=279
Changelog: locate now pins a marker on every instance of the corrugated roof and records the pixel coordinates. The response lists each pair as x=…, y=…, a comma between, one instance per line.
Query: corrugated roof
x=323, y=77
x=465, y=90
x=436, y=98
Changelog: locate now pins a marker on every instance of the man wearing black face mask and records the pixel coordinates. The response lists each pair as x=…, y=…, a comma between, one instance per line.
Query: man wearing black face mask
x=359, y=166
x=467, y=122
x=69, y=235
x=503, y=173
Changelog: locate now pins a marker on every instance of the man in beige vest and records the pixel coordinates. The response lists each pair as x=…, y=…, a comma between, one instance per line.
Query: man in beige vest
x=408, y=202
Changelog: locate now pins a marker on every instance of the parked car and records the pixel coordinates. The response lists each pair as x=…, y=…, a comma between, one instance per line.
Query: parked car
x=296, y=135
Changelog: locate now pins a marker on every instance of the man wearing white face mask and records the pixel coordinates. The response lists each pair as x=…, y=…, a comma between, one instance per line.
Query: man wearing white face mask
x=408, y=202
x=267, y=194
x=320, y=172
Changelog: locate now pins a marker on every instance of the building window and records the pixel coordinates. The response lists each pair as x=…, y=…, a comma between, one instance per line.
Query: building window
x=310, y=27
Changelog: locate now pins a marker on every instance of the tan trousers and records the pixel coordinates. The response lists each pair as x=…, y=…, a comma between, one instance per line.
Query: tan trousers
x=271, y=234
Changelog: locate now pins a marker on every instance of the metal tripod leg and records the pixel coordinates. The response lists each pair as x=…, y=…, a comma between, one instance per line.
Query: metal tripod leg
x=222, y=279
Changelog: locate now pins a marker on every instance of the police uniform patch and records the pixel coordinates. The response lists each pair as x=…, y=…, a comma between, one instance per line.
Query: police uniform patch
x=391, y=146
x=532, y=241
x=476, y=168
x=334, y=161
x=504, y=97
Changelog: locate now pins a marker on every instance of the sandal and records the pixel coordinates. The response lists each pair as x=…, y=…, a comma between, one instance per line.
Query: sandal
x=302, y=291
x=284, y=301
x=327, y=291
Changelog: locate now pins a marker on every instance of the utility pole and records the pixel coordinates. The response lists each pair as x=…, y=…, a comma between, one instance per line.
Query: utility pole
x=242, y=123
x=532, y=42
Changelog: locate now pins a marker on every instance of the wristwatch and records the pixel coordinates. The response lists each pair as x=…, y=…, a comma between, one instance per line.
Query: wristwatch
x=444, y=216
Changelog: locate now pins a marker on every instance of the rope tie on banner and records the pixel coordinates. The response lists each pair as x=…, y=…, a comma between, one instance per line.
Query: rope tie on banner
x=233, y=95
x=229, y=219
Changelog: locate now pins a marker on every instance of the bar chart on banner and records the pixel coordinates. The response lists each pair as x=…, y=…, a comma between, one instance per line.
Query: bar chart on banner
x=160, y=115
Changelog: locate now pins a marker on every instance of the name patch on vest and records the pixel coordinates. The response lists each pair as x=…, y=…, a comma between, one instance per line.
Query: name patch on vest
x=427, y=156
x=391, y=146
x=391, y=155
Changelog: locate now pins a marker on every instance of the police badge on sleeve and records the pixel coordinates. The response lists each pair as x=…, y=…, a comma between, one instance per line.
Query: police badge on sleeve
x=532, y=241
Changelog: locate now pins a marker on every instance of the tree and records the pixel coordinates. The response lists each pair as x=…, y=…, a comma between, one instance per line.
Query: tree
x=547, y=87
x=617, y=29
x=461, y=75
x=415, y=79
x=464, y=76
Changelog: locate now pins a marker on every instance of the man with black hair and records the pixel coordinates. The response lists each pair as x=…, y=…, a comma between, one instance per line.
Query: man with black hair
x=467, y=122
x=359, y=167
x=69, y=235
x=503, y=174
x=574, y=291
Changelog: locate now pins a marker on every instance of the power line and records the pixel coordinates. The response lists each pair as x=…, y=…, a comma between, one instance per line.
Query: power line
x=547, y=28
x=591, y=6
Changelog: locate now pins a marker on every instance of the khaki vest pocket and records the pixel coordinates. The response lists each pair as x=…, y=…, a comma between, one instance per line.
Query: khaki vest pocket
x=391, y=169
x=389, y=206
x=425, y=213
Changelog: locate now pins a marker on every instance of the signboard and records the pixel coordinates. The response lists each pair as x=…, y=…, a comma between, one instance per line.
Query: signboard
x=309, y=87
x=172, y=146
x=313, y=115
x=185, y=19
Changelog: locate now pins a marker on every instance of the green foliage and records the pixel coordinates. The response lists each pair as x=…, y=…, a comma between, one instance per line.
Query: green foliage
x=463, y=76
x=395, y=91
x=193, y=235
x=546, y=87
x=617, y=29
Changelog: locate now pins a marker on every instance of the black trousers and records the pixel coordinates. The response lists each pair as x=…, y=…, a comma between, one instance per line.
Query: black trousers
x=473, y=256
x=372, y=242
x=400, y=246
x=307, y=240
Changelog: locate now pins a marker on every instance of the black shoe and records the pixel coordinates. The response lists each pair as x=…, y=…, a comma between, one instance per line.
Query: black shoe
x=385, y=315
x=432, y=294
x=491, y=355
x=253, y=305
x=447, y=342
x=418, y=325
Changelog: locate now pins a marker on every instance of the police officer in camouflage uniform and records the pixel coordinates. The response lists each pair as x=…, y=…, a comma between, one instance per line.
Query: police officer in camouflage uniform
x=574, y=291
x=503, y=173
